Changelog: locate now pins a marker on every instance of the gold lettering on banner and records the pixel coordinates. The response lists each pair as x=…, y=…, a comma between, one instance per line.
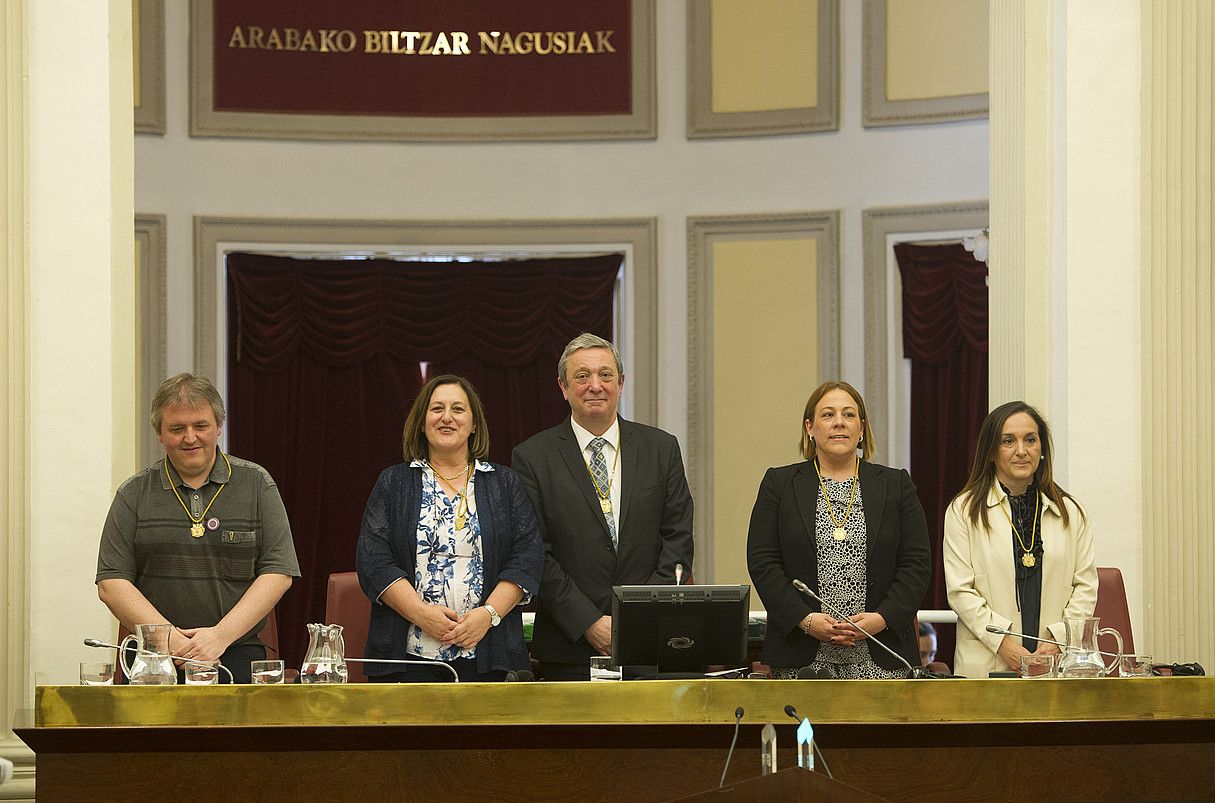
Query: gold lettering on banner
x=325, y=40
x=544, y=43
x=423, y=43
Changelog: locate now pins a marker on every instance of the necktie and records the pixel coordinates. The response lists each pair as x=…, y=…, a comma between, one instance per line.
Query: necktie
x=603, y=483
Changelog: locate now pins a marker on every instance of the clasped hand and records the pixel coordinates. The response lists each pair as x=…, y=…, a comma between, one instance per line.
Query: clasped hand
x=204, y=644
x=450, y=628
x=1010, y=651
x=842, y=632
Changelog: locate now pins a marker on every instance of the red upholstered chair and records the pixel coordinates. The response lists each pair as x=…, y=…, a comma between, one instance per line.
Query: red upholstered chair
x=348, y=606
x=1112, y=609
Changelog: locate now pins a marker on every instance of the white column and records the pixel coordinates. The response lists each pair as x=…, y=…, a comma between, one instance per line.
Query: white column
x=14, y=628
x=1065, y=199
x=1101, y=208
x=1024, y=167
x=70, y=296
x=1178, y=421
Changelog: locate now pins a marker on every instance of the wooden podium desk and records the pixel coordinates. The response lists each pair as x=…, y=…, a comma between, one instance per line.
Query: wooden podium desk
x=1111, y=738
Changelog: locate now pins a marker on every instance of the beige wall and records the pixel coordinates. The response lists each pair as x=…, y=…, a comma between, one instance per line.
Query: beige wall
x=935, y=48
x=765, y=358
x=764, y=55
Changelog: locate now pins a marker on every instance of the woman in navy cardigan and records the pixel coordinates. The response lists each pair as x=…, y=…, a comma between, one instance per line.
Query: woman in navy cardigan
x=448, y=548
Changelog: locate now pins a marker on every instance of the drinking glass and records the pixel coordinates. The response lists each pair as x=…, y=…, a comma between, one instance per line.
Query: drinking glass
x=1037, y=666
x=96, y=674
x=268, y=671
x=602, y=668
x=201, y=674
x=1135, y=666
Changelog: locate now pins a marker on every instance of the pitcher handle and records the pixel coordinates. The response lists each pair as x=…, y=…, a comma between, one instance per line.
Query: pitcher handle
x=1117, y=661
x=123, y=649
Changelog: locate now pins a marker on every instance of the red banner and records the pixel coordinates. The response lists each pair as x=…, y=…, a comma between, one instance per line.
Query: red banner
x=425, y=58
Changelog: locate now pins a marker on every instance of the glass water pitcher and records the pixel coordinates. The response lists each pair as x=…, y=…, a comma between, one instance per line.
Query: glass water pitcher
x=152, y=665
x=1081, y=657
x=325, y=661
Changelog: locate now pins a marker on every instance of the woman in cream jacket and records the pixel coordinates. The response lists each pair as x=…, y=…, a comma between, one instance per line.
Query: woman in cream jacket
x=1018, y=553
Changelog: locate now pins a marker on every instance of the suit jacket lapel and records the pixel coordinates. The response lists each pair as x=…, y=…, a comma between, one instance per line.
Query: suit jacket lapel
x=805, y=491
x=873, y=499
x=572, y=456
x=628, y=471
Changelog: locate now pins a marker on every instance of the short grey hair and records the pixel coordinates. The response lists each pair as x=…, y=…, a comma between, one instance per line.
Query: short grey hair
x=188, y=389
x=586, y=341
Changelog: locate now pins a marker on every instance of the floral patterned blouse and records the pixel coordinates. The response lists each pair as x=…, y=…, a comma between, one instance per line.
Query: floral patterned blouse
x=449, y=565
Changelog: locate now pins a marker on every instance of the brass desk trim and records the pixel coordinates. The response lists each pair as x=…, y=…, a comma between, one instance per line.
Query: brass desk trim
x=707, y=702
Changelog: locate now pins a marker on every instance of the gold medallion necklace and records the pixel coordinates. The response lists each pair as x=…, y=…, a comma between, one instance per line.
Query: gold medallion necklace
x=461, y=496
x=196, y=527
x=839, y=534
x=1027, y=552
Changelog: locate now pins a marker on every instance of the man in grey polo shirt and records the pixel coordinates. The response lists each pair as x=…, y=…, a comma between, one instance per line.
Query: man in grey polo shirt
x=200, y=539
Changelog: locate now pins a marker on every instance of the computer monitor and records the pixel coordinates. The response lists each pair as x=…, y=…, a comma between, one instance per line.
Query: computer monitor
x=681, y=630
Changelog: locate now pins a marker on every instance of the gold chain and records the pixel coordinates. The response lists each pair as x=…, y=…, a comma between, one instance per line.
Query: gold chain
x=856, y=482
x=1033, y=530
x=453, y=476
x=461, y=496
x=183, y=502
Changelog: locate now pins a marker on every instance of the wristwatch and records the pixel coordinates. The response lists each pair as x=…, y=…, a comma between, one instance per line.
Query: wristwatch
x=494, y=618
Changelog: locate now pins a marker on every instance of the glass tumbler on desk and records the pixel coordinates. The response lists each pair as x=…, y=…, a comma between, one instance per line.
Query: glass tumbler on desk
x=200, y=674
x=1135, y=666
x=602, y=668
x=96, y=674
x=1037, y=665
x=268, y=672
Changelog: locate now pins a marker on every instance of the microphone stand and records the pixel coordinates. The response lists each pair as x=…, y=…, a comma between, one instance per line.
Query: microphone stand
x=913, y=672
x=1004, y=631
x=455, y=676
x=92, y=642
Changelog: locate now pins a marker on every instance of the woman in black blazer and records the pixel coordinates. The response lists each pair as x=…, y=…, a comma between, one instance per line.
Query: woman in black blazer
x=854, y=532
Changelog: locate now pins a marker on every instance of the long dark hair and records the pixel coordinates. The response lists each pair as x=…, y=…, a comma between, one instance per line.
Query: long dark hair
x=983, y=470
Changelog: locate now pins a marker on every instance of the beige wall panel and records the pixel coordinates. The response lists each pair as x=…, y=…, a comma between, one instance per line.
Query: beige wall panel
x=765, y=357
x=935, y=48
x=765, y=55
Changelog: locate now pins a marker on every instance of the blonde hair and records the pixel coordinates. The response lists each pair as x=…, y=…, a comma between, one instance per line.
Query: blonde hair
x=190, y=390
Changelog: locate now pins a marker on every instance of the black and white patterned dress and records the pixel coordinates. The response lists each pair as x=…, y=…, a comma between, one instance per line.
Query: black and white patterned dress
x=842, y=570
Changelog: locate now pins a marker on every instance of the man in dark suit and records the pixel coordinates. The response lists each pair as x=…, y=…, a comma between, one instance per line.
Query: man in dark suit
x=614, y=509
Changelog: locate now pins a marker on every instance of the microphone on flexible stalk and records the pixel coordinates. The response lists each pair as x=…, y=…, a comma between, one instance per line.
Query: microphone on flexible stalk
x=738, y=715
x=92, y=642
x=678, y=574
x=913, y=672
x=1004, y=631
x=792, y=712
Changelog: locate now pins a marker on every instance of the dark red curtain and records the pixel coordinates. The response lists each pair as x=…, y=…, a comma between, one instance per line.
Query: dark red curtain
x=325, y=358
x=945, y=337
